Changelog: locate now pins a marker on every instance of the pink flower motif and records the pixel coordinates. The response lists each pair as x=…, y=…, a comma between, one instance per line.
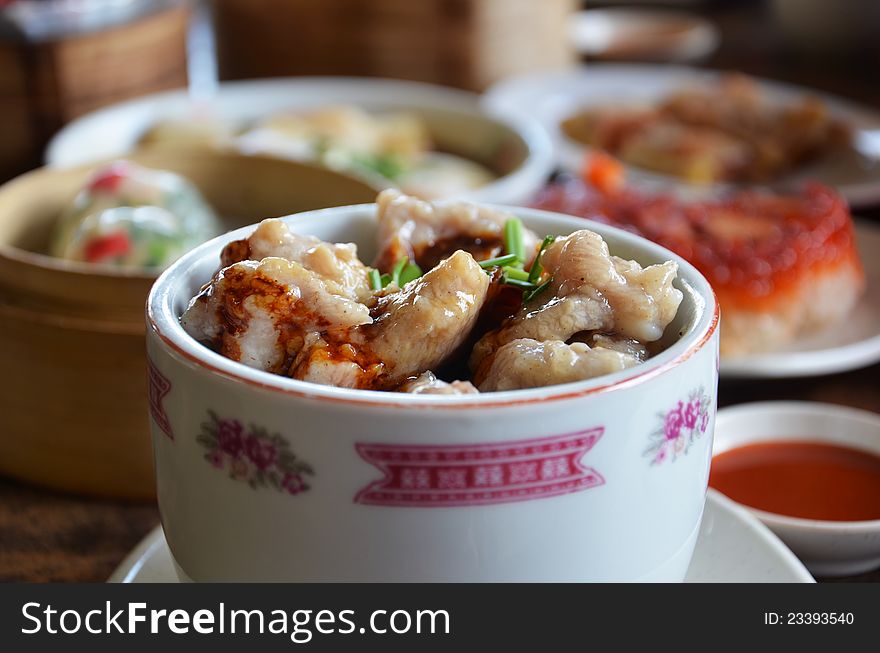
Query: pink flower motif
x=692, y=414
x=258, y=457
x=261, y=452
x=674, y=421
x=229, y=437
x=679, y=428
x=293, y=483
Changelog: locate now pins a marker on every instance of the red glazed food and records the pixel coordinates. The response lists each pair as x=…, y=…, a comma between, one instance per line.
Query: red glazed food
x=782, y=266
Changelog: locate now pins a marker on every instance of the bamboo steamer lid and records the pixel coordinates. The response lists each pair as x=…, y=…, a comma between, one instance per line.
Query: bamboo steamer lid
x=74, y=395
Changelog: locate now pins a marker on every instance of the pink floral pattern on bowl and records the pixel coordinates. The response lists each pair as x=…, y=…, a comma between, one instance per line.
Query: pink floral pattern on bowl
x=253, y=455
x=679, y=427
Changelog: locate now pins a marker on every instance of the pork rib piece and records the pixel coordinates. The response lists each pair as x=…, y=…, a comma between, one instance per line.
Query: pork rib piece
x=525, y=363
x=427, y=233
x=263, y=313
x=591, y=291
x=413, y=330
x=337, y=263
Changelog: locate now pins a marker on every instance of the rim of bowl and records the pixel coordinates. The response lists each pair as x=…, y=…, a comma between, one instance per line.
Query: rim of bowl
x=834, y=411
x=165, y=324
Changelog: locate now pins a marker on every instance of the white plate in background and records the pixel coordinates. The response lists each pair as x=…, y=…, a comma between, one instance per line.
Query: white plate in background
x=552, y=97
x=733, y=547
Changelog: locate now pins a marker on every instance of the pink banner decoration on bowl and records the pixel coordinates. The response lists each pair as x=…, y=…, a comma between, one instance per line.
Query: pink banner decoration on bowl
x=159, y=387
x=469, y=475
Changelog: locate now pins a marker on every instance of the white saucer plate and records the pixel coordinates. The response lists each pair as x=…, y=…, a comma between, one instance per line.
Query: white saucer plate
x=733, y=547
x=851, y=345
x=550, y=98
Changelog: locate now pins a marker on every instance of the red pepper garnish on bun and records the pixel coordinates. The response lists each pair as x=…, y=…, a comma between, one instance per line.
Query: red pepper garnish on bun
x=107, y=247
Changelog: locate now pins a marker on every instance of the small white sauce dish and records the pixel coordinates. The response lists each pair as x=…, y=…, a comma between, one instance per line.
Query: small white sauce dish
x=827, y=548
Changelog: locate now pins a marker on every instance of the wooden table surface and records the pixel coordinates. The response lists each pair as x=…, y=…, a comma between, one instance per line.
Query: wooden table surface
x=46, y=536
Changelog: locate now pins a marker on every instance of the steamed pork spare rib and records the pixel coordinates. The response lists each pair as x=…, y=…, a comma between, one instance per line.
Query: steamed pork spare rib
x=294, y=305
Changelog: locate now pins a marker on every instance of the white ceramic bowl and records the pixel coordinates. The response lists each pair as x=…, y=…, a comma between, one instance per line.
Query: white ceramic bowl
x=455, y=119
x=827, y=548
x=564, y=483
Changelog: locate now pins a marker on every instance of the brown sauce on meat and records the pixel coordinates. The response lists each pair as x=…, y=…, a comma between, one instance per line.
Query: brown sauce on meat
x=336, y=347
x=290, y=314
x=235, y=252
x=481, y=248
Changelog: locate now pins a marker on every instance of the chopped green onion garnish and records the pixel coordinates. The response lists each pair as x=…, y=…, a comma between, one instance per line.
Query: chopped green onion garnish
x=537, y=268
x=402, y=274
x=375, y=279
x=410, y=271
x=512, y=264
x=513, y=239
x=398, y=268
x=525, y=285
x=498, y=261
x=516, y=273
x=529, y=295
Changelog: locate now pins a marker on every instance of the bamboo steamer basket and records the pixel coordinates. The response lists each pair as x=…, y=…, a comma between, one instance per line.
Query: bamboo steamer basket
x=50, y=77
x=73, y=393
x=465, y=43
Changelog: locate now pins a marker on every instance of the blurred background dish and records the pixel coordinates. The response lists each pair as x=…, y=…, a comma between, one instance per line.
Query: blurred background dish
x=511, y=146
x=134, y=217
x=74, y=331
x=727, y=130
x=828, y=547
x=553, y=98
x=642, y=34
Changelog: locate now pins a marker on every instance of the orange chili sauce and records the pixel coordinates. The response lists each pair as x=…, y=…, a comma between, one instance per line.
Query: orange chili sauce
x=801, y=479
